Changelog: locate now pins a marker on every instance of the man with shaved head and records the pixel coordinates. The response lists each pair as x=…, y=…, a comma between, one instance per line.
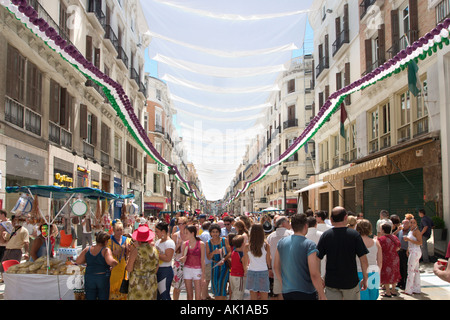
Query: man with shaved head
x=341, y=246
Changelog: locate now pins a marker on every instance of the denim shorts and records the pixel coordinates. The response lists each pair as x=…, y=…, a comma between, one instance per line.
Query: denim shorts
x=258, y=281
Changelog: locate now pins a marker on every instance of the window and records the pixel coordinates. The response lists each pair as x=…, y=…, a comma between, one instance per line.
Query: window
x=88, y=127
x=23, y=101
x=117, y=147
x=156, y=183
x=350, y=143
x=442, y=11
x=291, y=86
x=380, y=128
x=335, y=140
x=323, y=156
x=404, y=130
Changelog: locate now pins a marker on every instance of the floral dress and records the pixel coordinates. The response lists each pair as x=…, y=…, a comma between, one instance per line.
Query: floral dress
x=143, y=284
x=390, y=270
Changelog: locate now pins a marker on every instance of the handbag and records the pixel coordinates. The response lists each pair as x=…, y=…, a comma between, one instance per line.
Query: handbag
x=124, y=285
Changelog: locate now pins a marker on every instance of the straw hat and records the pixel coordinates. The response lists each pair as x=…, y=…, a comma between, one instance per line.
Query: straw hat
x=143, y=234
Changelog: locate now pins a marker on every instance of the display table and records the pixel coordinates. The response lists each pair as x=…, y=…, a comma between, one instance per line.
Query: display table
x=38, y=287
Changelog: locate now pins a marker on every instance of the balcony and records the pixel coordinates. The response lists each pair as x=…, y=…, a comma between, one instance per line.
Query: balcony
x=290, y=123
x=442, y=11
x=111, y=36
x=373, y=66
x=159, y=128
x=342, y=38
x=42, y=13
x=60, y=136
x=142, y=88
x=324, y=63
x=88, y=149
x=364, y=6
x=96, y=8
x=134, y=75
x=20, y=116
x=122, y=55
x=402, y=43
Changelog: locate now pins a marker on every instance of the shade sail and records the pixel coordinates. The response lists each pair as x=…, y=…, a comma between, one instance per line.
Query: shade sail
x=56, y=192
x=312, y=186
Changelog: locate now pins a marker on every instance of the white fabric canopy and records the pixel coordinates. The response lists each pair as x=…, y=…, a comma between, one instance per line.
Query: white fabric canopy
x=220, y=60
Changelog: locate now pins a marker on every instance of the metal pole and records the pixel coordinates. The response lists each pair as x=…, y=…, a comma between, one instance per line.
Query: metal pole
x=285, y=206
x=171, y=198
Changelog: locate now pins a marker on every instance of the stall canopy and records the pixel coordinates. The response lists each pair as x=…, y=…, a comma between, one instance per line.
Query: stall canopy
x=56, y=192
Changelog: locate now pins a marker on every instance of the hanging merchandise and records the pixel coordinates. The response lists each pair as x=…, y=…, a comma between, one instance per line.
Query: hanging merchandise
x=123, y=214
x=35, y=216
x=23, y=206
x=132, y=208
x=79, y=207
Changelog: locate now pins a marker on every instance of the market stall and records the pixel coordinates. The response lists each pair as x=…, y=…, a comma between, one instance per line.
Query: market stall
x=55, y=278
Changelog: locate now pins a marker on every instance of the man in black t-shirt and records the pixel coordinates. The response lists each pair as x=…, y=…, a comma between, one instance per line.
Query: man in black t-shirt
x=342, y=245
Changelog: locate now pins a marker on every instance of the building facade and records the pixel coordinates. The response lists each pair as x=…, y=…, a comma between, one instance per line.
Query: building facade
x=391, y=154
x=56, y=126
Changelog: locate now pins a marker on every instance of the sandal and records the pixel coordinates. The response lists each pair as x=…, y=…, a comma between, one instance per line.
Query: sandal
x=386, y=295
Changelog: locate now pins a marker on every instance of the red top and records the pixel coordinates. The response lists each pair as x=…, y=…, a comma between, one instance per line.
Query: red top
x=237, y=269
x=193, y=258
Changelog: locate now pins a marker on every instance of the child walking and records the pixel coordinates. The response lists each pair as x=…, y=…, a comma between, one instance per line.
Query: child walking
x=239, y=264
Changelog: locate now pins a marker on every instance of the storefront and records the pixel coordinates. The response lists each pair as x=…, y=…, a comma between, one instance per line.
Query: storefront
x=62, y=173
x=118, y=203
x=22, y=169
x=153, y=208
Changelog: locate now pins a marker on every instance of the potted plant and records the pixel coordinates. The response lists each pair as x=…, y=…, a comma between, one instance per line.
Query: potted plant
x=439, y=227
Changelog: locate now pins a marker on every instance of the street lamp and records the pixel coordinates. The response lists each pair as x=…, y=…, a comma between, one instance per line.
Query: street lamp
x=191, y=194
x=252, y=195
x=285, y=175
x=171, y=173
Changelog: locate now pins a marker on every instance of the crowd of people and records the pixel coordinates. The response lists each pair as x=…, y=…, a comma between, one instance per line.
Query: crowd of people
x=308, y=256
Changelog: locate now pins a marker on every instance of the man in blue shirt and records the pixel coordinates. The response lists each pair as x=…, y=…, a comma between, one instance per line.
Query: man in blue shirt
x=297, y=265
x=426, y=224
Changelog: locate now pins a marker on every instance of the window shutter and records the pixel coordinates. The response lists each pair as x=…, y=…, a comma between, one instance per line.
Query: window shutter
x=63, y=107
x=338, y=80
x=97, y=58
x=89, y=48
x=69, y=108
x=368, y=49
x=54, y=101
x=320, y=100
x=327, y=92
x=94, y=130
x=347, y=82
x=395, y=31
x=413, y=20
x=34, y=87
x=381, y=44
x=83, y=121
x=346, y=23
x=338, y=27
x=327, y=51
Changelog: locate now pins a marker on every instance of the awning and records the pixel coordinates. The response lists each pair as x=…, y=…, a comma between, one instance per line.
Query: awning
x=312, y=186
x=358, y=168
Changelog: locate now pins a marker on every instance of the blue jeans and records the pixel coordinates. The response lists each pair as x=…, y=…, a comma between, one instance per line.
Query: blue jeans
x=164, y=273
x=96, y=286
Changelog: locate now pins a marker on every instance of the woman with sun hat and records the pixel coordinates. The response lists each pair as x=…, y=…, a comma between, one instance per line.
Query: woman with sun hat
x=142, y=265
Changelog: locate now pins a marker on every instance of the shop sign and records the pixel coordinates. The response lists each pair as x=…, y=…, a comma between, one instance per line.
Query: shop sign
x=24, y=164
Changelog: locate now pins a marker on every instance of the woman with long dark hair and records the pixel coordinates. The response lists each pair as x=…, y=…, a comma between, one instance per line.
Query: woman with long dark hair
x=193, y=251
x=218, y=250
x=166, y=248
x=259, y=266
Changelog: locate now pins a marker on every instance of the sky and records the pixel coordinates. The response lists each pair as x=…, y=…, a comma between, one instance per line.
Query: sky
x=221, y=71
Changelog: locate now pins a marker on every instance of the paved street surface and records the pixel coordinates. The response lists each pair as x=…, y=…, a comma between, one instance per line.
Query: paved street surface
x=433, y=288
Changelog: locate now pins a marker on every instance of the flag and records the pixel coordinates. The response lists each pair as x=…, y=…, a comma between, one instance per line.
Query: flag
x=343, y=118
x=413, y=78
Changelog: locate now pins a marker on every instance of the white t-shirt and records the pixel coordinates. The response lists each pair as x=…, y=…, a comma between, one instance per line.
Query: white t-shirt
x=168, y=244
